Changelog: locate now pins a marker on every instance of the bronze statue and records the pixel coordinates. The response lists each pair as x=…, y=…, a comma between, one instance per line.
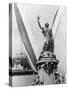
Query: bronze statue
x=47, y=32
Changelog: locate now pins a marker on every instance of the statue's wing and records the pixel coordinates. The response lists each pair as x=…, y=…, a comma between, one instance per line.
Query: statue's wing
x=10, y=8
x=25, y=39
x=56, y=20
x=54, y=17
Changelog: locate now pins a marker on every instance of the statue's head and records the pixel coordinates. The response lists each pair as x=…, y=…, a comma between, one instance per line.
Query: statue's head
x=46, y=25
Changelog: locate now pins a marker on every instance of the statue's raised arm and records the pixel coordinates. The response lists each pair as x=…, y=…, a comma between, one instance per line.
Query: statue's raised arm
x=38, y=18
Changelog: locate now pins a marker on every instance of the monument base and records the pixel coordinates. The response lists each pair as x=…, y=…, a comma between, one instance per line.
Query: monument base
x=47, y=69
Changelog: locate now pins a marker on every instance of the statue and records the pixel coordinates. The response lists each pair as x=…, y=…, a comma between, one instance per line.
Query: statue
x=47, y=62
x=47, y=32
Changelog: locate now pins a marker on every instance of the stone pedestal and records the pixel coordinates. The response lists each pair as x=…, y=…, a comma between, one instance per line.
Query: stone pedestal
x=47, y=66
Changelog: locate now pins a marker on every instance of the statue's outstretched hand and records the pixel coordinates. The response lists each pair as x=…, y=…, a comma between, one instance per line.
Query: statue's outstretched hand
x=38, y=17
